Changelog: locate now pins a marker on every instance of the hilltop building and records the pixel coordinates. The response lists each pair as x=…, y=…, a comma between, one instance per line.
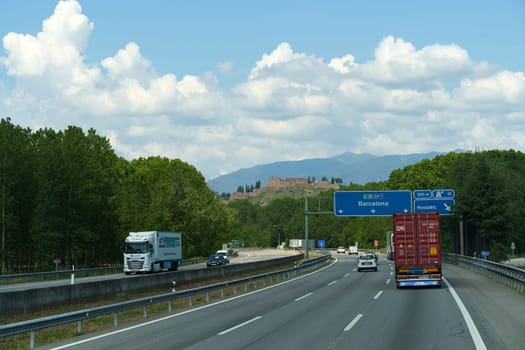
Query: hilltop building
x=276, y=184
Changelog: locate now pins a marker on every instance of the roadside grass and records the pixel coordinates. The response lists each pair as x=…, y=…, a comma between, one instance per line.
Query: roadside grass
x=128, y=317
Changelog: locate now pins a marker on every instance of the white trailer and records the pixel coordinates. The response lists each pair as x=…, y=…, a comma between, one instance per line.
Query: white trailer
x=152, y=251
x=301, y=244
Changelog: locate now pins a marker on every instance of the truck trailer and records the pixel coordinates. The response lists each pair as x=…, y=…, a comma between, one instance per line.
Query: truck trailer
x=417, y=249
x=301, y=244
x=152, y=251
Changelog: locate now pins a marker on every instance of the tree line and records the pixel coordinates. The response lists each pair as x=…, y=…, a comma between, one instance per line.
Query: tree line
x=67, y=195
x=489, y=206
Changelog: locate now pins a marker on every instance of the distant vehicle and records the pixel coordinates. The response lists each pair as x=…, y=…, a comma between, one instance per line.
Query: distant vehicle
x=417, y=254
x=216, y=260
x=341, y=250
x=152, y=251
x=300, y=244
x=352, y=250
x=224, y=254
x=367, y=261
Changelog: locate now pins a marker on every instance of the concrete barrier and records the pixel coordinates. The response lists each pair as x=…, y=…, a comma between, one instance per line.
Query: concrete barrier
x=48, y=297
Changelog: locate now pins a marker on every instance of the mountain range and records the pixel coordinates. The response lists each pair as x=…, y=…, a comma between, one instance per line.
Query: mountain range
x=350, y=167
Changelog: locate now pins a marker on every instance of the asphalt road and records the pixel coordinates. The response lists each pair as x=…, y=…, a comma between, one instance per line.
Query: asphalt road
x=337, y=308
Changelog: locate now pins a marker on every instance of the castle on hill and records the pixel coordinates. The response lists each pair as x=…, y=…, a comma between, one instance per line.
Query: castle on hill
x=277, y=184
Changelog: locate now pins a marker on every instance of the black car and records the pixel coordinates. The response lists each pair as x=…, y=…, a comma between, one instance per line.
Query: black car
x=216, y=260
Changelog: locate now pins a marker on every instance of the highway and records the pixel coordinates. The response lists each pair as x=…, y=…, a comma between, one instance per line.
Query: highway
x=336, y=308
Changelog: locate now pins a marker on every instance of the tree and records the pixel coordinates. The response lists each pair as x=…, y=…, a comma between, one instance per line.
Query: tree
x=163, y=194
x=15, y=194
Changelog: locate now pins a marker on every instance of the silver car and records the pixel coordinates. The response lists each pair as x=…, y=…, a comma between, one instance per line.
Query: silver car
x=366, y=261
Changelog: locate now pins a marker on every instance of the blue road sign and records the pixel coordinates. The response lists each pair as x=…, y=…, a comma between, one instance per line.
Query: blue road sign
x=437, y=194
x=443, y=206
x=422, y=194
x=372, y=203
x=320, y=243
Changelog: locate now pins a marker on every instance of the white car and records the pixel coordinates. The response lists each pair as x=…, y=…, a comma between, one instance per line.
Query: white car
x=341, y=250
x=366, y=261
x=225, y=254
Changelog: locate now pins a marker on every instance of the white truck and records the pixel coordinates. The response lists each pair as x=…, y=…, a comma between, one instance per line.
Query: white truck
x=301, y=244
x=152, y=251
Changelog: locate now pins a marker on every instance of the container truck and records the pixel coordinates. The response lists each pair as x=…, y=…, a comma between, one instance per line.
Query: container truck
x=152, y=251
x=417, y=249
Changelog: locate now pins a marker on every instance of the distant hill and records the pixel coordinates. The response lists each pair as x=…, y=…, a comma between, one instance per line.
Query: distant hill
x=350, y=167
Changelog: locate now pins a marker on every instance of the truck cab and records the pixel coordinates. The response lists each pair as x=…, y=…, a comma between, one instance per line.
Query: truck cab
x=152, y=251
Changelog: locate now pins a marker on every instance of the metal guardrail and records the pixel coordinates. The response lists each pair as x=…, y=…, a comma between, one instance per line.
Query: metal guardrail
x=510, y=276
x=6, y=279
x=46, y=274
x=31, y=326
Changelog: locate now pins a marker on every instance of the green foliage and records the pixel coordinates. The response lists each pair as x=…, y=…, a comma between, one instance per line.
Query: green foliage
x=67, y=195
x=490, y=202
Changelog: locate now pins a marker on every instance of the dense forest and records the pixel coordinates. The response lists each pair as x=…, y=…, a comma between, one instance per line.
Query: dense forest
x=67, y=195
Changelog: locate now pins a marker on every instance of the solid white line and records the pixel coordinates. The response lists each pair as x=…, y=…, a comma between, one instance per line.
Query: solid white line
x=332, y=283
x=474, y=333
x=240, y=325
x=354, y=321
x=378, y=295
x=304, y=296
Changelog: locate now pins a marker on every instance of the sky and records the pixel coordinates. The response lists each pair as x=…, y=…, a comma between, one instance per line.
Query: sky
x=225, y=85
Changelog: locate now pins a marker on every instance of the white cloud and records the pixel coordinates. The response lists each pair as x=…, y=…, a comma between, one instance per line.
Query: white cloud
x=397, y=60
x=343, y=65
x=291, y=106
x=501, y=88
x=283, y=53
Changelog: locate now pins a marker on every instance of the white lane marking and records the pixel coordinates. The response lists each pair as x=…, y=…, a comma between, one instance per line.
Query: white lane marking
x=332, y=283
x=474, y=333
x=304, y=296
x=388, y=281
x=240, y=325
x=354, y=321
x=87, y=340
x=378, y=295
x=347, y=275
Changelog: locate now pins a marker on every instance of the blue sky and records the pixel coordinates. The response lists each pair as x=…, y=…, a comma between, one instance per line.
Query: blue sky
x=225, y=85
